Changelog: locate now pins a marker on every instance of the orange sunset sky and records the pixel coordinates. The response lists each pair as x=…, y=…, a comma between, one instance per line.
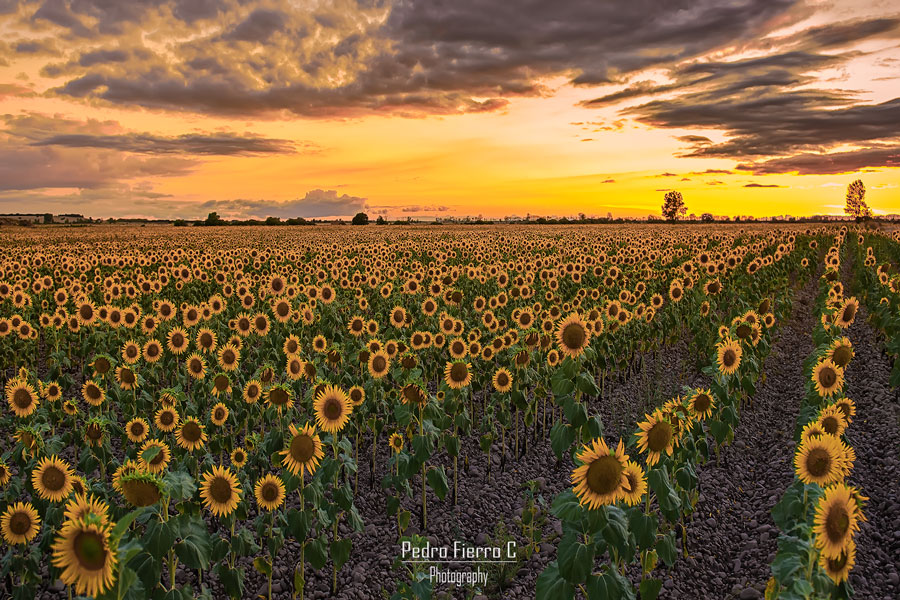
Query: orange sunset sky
x=252, y=108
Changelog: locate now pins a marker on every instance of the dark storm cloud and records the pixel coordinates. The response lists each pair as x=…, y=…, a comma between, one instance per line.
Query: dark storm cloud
x=409, y=58
x=36, y=46
x=221, y=144
x=315, y=204
x=828, y=164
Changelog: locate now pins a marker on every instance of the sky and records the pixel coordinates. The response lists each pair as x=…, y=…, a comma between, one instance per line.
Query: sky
x=436, y=108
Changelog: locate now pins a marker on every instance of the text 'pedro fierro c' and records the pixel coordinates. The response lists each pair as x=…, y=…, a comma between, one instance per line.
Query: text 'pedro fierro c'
x=458, y=552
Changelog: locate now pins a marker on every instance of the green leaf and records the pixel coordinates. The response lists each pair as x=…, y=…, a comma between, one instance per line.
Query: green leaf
x=644, y=528
x=423, y=446
x=437, y=480
x=566, y=506
x=340, y=552
x=404, y=520
x=147, y=568
x=561, y=438
x=587, y=385
x=195, y=547
x=666, y=548
x=316, y=552
x=262, y=565
x=574, y=559
x=561, y=385
x=231, y=579
x=150, y=453
x=650, y=588
x=452, y=444
x=179, y=485
x=159, y=537
x=124, y=522
x=298, y=524
x=551, y=585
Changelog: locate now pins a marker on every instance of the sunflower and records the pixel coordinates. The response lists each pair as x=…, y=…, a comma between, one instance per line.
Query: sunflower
x=657, y=436
x=19, y=523
x=166, y=419
x=152, y=351
x=22, y=398
x=396, y=442
x=229, y=356
x=601, y=478
x=294, y=367
x=304, y=451
x=357, y=395
x=811, y=430
x=702, y=404
x=219, y=414
x=379, y=364
x=729, y=356
x=92, y=393
x=841, y=352
x=5, y=473
x=837, y=518
x=332, y=408
x=52, y=479
x=828, y=377
x=252, y=391
x=141, y=488
x=131, y=352
x=129, y=466
x=85, y=553
x=137, y=429
x=160, y=461
x=820, y=460
x=220, y=491
x=319, y=343
x=502, y=380
x=847, y=313
x=572, y=335
x=458, y=374
x=196, y=366
x=177, y=341
x=637, y=483
x=280, y=396
x=269, y=492
x=238, y=457
x=51, y=391
x=838, y=568
x=190, y=434
x=832, y=420
x=847, y=407
x=83, y=504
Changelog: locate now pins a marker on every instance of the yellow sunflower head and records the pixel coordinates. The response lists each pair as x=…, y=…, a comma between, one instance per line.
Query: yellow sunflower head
x=304, y=450
x=601, y=477
x=332, y=408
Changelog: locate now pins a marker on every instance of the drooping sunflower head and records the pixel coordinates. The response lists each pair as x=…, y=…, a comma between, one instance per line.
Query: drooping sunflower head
x=828, y=378
x=600, y=479
x=85, y=553
x=836, y=520
x=412, y=393
x=304, y=450
x=141, y=488
x=847, y=313
x=457, y=374
x=280, y=396
x=269, y=492
x=657, y=436
x=52, y=478
x=5, y=473
x=220, y=491
x=838, y=568
x=19, y=523
x=572, y=335
x=191, y=434
x=332, y=408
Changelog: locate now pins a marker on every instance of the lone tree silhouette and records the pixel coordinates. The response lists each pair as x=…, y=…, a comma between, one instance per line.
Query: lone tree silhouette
x=856, y=204
x=673, y=207
x=361, y=219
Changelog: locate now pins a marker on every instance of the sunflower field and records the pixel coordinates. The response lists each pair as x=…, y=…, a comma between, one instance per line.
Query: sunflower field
x=262, y=412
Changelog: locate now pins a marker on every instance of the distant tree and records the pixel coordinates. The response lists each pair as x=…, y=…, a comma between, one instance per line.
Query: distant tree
x=673, y=207
x=609, y=216
x=361, y=219
x=380, y=220
x=706, y=217
x=582, y=216
x=180, y=223
x=48, y=218
x=213, y=218
x=856, y=204
x=273, y=221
